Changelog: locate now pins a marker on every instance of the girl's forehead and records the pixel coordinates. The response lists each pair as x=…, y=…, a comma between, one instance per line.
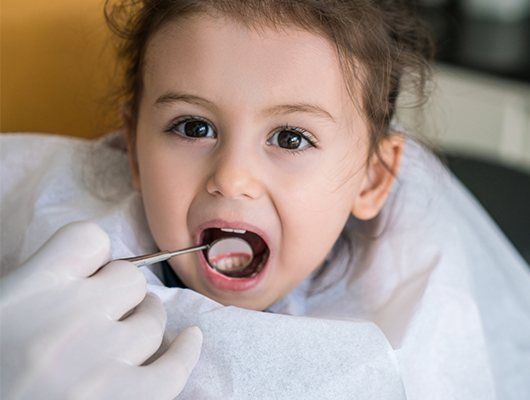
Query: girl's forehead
x=219, y=56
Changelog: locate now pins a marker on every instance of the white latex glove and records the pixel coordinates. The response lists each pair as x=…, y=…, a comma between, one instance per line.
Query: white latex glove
x=62, y=333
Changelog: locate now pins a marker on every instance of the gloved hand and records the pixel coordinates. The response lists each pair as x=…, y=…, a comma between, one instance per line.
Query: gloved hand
x=62, y=334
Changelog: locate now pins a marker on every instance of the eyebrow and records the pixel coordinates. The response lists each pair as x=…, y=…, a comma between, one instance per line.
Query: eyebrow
x=173, y=97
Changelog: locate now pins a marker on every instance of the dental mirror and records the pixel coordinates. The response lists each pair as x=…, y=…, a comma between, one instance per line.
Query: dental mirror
x=229, y=254
x=224, y=255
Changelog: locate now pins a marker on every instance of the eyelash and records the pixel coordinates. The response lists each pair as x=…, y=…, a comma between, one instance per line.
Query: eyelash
x=313, y=142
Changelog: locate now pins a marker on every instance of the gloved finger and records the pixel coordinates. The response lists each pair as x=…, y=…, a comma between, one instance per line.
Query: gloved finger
x=171, y=370
x=116, y=289
x=140, y=334
x=163, y=379
x=77, y=249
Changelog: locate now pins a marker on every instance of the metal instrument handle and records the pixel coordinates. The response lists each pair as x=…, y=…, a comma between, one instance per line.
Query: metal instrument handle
x=148, y=259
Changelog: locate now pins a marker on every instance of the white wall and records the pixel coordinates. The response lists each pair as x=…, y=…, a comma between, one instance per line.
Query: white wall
x=475, y=114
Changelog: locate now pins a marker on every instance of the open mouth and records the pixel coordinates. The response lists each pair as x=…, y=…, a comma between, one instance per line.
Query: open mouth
x=235, y=262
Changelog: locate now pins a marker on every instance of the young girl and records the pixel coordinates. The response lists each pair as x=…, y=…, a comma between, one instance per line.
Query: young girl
x=273, y=121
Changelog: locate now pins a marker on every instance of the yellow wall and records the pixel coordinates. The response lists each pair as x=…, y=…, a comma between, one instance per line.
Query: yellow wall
x=57, y=67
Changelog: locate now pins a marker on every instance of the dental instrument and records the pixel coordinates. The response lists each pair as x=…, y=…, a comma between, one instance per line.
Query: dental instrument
x=216, y=251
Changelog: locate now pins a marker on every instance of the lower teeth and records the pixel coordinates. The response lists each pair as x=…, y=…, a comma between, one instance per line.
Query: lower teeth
x=234, y=265
x=231, y=263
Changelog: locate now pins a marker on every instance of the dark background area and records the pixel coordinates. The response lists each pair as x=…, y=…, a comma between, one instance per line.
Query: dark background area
x=495, y=46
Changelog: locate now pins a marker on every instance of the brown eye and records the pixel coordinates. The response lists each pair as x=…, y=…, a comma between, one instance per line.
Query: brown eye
x=194, y=128
x=290, y=140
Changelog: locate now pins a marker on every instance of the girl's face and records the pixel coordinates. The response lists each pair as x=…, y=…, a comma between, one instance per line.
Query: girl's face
x=250, y=130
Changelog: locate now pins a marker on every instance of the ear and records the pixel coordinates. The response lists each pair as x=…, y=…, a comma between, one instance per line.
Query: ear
x=129, y=133
x=378, y=180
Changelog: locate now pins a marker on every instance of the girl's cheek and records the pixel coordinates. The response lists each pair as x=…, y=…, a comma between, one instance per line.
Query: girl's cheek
x=299, y=166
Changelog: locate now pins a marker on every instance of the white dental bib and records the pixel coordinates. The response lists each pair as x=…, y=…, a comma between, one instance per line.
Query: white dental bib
x=427, y=301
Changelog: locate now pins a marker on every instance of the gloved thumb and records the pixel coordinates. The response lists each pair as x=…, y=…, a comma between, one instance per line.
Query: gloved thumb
x=171, y=370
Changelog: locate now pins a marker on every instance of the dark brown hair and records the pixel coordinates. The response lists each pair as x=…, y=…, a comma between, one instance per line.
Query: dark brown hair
x=381, y=44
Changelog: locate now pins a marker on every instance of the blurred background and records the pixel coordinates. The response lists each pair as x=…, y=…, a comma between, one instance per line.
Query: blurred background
x=57, y=68
x=479, y=108
x=58, y=74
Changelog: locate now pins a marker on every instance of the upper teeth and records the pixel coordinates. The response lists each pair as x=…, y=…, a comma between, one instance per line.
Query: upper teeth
x=233, y=230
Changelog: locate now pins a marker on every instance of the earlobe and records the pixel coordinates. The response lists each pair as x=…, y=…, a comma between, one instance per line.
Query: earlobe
x=130, y=138
x=378, y=179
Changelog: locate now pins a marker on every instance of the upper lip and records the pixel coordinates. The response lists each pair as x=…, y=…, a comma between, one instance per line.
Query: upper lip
x=220, y=223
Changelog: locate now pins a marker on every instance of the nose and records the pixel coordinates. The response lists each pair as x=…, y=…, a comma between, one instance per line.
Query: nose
x=234, y=176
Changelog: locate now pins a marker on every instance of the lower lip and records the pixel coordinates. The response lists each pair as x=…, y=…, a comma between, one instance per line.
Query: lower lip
x=223, y=282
